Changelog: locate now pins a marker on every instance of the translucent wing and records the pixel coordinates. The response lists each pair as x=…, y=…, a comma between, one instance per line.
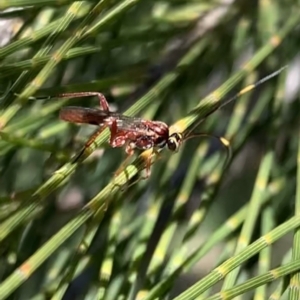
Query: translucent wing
x=84, y=115
x=93, y=116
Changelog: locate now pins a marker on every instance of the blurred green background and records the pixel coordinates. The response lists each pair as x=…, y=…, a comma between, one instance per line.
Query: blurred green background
x=197, y=228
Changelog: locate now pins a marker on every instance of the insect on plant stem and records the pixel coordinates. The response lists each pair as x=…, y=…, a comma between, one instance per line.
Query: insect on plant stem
x=137, y=133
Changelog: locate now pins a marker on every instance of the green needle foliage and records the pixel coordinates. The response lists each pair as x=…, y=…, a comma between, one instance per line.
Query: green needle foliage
x=204, y=225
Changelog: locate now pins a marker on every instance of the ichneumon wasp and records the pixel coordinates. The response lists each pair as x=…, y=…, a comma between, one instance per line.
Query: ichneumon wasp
x=136, y=133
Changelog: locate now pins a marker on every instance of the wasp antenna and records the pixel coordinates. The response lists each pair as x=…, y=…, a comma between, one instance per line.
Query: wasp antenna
x=237, y=95
x=243, y=91
x=252, y=86
x=225, y=143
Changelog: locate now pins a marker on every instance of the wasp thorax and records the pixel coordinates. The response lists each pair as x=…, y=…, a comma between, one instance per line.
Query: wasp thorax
x=174, y=141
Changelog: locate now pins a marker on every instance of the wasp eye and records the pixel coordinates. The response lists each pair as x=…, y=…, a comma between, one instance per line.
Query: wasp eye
x=174, y=141
x=171, y=145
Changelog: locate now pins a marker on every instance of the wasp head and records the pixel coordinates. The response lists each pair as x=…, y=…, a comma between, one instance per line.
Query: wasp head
x=174, y=141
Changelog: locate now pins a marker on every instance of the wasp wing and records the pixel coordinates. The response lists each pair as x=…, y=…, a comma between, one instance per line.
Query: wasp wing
x=93, y=116
x=76, y=114
x=125, y=123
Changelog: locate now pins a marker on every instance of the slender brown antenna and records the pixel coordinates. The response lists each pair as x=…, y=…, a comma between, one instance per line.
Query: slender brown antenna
x=225, y=143
x=236, y=96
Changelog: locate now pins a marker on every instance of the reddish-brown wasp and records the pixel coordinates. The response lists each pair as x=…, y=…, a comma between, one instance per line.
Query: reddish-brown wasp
x=134, y=132
x=124, y=131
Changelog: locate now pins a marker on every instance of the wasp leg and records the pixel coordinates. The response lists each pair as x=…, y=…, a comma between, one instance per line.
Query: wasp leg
x=114, y=141
x=149, y=162
x=130, y=151
x=100, y=96
x=89, y=143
